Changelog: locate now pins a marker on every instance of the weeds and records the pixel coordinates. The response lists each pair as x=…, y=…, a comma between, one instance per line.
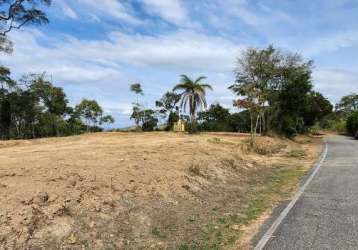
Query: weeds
x=225, y=231
x=214, y=140
x=297, y=153
x=156, y=232
x=194, y=169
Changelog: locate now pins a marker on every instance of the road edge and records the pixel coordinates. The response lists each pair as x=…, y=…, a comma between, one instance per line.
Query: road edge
x=268, y=234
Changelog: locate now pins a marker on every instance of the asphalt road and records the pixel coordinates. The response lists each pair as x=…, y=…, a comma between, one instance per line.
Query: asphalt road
x=326, y=215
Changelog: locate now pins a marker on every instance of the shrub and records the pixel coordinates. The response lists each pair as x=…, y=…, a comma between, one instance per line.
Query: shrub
x=352, y=123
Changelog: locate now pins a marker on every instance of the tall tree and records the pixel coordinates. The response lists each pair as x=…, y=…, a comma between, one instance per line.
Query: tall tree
x=137, y=89
x=193, y=95
x=53, y=100
x=273, y=86
x=14, y=14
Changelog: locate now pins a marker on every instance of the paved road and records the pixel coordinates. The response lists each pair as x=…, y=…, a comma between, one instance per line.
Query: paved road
x=326, y=215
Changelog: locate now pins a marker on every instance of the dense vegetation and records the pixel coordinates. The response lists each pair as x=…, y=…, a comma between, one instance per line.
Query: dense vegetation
x=352, y=124
x=33, y=107
x=344, y=118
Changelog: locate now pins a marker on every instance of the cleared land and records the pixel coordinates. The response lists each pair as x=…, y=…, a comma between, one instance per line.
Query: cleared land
x=144, y=190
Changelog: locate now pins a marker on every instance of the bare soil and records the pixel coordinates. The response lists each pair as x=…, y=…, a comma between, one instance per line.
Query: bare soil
x=144, y=190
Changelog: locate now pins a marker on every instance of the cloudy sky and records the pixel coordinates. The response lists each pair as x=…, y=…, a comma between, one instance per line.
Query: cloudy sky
x=96, y=49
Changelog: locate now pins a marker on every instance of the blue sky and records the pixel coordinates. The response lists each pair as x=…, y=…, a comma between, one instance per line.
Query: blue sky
x=96, y=49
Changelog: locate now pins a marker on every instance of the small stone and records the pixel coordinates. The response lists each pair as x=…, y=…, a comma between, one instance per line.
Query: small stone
x=72, y=239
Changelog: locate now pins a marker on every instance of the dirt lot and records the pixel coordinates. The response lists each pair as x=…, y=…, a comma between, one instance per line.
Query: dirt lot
x=144, y=190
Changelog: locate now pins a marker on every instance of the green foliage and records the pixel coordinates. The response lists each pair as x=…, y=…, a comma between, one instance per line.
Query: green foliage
x=216, y=118
x=149, y=120
x=276, y=90
x=352, y=123
x=90, y=112
x=146, y=119
x=136, y=88
x=36, y=108
x=240, y=122
x=348, y=104
x=316, y=108
x=168, y=108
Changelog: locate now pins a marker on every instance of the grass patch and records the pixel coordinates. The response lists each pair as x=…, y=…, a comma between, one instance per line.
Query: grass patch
x=262, y=149
x=214, y=140
x=297, y=153
x=156, y=232
x=268, y=186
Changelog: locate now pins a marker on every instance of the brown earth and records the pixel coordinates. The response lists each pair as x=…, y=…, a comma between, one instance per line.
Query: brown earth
x=144, y=190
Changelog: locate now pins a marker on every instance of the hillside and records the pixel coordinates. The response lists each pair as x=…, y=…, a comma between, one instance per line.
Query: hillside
x=144, y=190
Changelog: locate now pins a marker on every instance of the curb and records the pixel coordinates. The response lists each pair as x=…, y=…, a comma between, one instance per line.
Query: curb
x=269, y=233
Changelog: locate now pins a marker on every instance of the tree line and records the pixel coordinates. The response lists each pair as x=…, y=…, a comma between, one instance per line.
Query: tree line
x=33, y=107
x=274, y=94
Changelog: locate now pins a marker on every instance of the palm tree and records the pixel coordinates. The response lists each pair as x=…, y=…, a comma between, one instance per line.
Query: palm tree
x=193, y=95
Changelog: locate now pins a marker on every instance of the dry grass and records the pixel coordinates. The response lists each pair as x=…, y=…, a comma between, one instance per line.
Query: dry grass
x=143, y=190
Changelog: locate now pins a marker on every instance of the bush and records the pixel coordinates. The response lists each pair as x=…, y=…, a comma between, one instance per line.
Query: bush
x=352, y=123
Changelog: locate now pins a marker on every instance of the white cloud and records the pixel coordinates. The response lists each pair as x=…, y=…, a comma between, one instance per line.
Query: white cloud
x=112, y=8
x=183, y=50
x=172, y=11
x=69, y=12
x=331, y=43
x=335, y=83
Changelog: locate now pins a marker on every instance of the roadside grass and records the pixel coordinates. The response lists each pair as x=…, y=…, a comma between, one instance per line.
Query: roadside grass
x=268, y=186
x=296, y=153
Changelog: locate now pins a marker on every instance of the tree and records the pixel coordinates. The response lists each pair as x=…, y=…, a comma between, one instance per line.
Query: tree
x=348, y=104
x=90, y=112
x=287, y=101
x=53, y=100
x=107, y=119
x=193, y=95
x=216, y=118
x=256, y=76
x=14, y=14
x=137, y=89
x=352, y=123
x=273, y=86
x=5, y=80
x=316, y=108
x=168, y=108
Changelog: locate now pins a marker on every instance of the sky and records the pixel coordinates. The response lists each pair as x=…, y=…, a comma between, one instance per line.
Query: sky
x=96, y=49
